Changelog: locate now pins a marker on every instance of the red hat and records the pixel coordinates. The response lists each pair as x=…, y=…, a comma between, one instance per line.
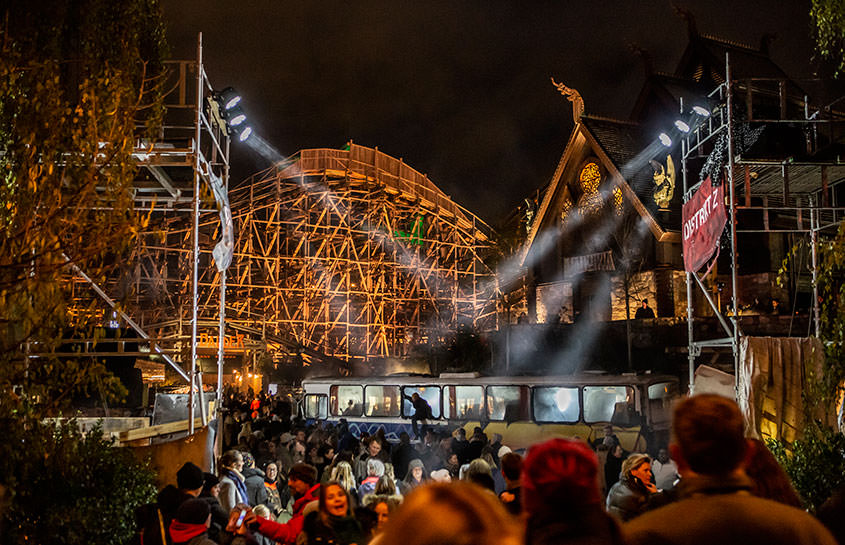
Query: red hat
x=559, y=472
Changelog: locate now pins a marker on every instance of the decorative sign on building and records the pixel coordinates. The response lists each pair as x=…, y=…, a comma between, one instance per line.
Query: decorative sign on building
x=704, y=219
x=664, y=182
x=602, y=261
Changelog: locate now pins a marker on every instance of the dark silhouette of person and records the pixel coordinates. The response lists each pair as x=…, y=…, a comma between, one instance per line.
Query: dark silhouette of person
x=644, y=311
x=422, y=411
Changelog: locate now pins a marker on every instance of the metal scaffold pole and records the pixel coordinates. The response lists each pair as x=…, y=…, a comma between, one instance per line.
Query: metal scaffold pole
x=196, y=237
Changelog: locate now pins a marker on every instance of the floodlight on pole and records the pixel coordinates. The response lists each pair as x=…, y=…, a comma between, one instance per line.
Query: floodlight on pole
x=681, y=125
x=701, y=110
x=665, y=140
x=241, y=131
x=235, y=116
x=229, y=98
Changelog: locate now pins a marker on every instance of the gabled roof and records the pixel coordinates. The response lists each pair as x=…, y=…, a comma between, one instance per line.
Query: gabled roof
x=621, y=147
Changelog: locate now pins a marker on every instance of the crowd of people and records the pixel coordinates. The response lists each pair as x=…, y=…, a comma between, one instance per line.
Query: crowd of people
x=280, y=481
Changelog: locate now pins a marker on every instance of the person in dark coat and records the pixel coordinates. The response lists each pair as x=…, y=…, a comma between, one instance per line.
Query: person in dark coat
x=256, y=493
x=715, y=505
x=631, y=495
x=613, y=465
x=190, y=527
x=219, y=517
x=561, y=497
x=402, y=455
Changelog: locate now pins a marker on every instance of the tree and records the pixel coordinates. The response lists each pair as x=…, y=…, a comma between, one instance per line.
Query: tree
x=79, y=87
x=828, y=18
x=76, y=80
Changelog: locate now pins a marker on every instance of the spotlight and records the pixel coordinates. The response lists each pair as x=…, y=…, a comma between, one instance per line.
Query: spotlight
x=701, y=110
x=242, y=131
x=229, y=98
x=235, y=116
x=665, y=140
x=683, y=127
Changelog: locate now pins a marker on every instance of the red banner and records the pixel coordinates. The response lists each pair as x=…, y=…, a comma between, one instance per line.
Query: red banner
x=704, y=219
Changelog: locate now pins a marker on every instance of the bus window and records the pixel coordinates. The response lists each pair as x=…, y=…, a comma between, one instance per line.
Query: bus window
x=347, y=400
x=429, y=393
x=463, y=402
x=556, y=404
x=660, y=398
x=382, y=400
x=316, y=406
x=503, y=403
x=610, y=404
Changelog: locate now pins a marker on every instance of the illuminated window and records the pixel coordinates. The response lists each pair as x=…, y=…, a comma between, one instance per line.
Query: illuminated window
x=589, y=179
x=554, y=404
x=617, y=201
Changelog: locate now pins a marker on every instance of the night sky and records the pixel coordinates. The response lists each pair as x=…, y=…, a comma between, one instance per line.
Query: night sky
x=460, y=90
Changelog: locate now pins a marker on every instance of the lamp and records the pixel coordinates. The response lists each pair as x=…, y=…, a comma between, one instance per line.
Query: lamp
x=228, y=98
x=701, y=110
x=664, y=139
x=681, y=125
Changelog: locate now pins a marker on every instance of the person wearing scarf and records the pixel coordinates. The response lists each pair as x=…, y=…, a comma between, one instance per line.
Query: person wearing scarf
x=190, y=527
x=332, y=522
x=232, y=487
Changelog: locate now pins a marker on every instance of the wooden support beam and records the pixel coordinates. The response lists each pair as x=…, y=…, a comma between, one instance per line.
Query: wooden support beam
x=155, y=431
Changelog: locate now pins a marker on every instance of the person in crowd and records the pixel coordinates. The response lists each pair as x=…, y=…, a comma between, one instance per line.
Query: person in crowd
x=453, y=466
x=478, y=471
x=441, y=476
x=385, y=486
x=512, y=470
x=342, y=475
x=232, y=487
x=496, y=446
x=256, y=493
x=498, y=480
x=402, y=455
x=609, y=439
x=459, y=446
x=459, y=512
x=613, y=465
x=644, y=311
x=714, y=506
x=211, y=494
x=414, y=476
x=283, y=453
x=560, y=496
x=630, y=496
x=372, y=452
x=264, y=512
x=375, y=469
x=422, y=412
x=271, y=488
x=769, y=478
x=154, y=519
x=190, y=526
x=332, y=522
x=475, y=445
x=665, y=470
x=383, y=507
x=302, y=481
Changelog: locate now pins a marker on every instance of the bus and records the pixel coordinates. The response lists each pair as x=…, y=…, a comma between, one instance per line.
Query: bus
x=524, y=410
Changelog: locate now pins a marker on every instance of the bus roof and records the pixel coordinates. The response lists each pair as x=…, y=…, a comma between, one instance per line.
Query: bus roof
x=578, y=379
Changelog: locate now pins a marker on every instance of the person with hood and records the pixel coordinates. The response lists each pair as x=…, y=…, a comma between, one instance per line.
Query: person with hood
x=190, y=527
x=414, y=477
x=332, y=523
x=256, y=493
x=630, y=496
x=561, y=498
x=232, y=486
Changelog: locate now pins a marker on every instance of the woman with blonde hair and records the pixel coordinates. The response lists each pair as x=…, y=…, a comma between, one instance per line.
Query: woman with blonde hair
x=343, y=475
x=458, y=512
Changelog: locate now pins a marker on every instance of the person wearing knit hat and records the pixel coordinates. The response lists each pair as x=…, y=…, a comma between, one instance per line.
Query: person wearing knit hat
x=560, y=495
x=189, y=478
x=632, y=494
x=191, y=523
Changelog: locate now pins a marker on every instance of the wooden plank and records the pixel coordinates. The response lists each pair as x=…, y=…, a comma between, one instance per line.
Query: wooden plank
x=161, y=429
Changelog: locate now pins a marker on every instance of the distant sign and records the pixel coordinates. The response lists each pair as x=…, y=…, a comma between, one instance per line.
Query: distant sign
x=704, y=219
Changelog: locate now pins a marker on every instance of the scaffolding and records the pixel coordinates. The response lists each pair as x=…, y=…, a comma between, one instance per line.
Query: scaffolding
x=354, y=255
x=171, y=291
x=792, y=190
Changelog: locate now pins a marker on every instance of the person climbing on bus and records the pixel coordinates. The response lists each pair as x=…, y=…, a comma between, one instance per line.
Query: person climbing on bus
x=422, y=412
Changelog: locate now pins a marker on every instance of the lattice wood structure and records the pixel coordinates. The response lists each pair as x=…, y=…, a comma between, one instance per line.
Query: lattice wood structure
x=353, y=254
